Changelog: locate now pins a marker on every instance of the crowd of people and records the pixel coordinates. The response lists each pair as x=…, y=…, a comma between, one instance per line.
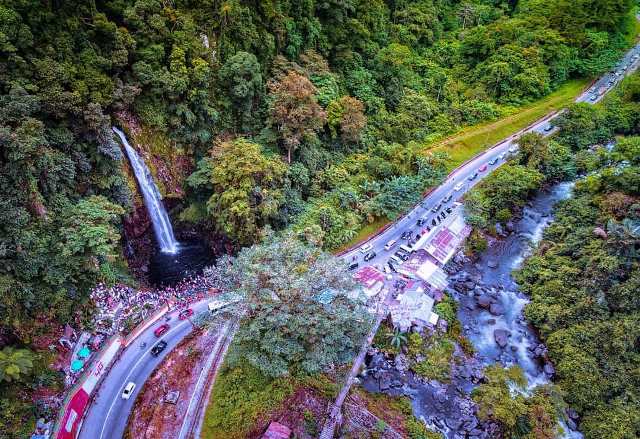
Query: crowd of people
x=120, y=307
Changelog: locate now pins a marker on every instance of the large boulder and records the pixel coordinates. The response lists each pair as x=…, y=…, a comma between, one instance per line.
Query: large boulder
x=485, y=301
x=496, y=309
x=501, y=336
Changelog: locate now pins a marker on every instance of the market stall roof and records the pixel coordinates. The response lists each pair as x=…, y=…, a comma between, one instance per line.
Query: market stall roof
x=76, y=365
x=84, y=352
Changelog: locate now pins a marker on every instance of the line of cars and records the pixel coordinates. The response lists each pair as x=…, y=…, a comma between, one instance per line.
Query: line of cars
x=157, y=348
x=404, y=252
x=617, y=73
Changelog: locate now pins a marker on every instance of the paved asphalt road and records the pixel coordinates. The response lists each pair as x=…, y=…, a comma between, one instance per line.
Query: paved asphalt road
x=594, y=94
x=107, y=416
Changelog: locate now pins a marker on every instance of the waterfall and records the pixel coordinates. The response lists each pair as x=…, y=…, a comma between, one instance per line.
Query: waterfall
x=152, y=199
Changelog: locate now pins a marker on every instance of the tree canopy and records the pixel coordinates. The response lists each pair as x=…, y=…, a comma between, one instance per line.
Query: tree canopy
x=302, y=311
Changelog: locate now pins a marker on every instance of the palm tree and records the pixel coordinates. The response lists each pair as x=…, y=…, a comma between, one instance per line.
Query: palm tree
x=398, y=339
x=15, y=363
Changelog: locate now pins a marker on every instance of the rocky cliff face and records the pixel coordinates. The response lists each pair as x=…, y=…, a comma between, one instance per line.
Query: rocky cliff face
x=170, y=165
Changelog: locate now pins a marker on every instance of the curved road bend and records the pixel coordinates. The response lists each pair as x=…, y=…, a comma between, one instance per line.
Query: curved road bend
x=107, y=416
x=423, y=210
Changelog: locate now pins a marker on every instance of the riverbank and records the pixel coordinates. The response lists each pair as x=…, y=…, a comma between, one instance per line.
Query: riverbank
x=490, y=311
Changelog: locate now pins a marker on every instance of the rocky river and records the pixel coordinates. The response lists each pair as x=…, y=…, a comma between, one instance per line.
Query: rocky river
x=490, y=309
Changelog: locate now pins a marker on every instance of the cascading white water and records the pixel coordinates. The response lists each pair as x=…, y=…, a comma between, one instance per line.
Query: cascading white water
x=152, y=199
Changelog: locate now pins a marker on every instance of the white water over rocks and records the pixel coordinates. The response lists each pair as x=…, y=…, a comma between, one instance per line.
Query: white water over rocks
x=152, y=198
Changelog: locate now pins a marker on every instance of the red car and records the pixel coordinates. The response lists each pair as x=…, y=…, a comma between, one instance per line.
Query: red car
x=161, y=330
x=185, y=314
x=483, y=168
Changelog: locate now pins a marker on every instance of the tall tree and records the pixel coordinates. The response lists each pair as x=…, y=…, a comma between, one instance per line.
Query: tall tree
x=246, y=188
x=294, y=111
x=304, y=313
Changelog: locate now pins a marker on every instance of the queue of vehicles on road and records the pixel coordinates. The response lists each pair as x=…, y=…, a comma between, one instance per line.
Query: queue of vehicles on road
x=439, y=212
x=161, y=345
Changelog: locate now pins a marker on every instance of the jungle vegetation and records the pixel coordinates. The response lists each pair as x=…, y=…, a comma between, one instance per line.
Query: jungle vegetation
x=312, y=115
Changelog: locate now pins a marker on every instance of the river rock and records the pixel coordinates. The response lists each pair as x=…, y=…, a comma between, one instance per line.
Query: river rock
x=470, y=423
x=510, y=226
x=572, y=424
x=385, y=382
x=485, y=301
x=453, y=423
x=501, y=336
x=496, y=309
x=549, y=369
x=572, y=413
x=600, y=233
x=500, y=230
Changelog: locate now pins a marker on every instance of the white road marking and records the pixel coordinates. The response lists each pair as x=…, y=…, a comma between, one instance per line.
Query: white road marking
x=126, y=380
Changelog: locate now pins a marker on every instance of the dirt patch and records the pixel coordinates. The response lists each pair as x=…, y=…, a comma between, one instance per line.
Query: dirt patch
x=151, y=417
x=303, y=412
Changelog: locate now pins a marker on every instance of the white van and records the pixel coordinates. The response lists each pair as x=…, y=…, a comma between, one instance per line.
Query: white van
x=396, y=259
x=458, y=187
x=128, y=390
x=390, y=244
x=216, y=305
x=406, y=249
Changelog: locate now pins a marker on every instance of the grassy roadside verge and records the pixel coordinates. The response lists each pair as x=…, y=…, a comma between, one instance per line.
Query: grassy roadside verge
x=475, y=139
x=472, y=140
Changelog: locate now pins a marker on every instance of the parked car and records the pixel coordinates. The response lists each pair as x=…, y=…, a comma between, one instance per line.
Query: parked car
x=483, y=168
x=548, y=128
x=366, y=248
x=128, y=390
x=513, y=149
x=436, y=208
x=458, y=187
x=420, y=221
x=396, y=259
x=390, y=244
x=185, y=314
x=369, y=256
x=216, y=305
x=159, y=347
x=502, y=156
x=160, y=330
x=406, y=248
x=353, y=266
x=449, y=210
x=402, y=256
x=391, y=267
x=473, y=176
x=493, y=161
x=447, y=198
x=406, y=235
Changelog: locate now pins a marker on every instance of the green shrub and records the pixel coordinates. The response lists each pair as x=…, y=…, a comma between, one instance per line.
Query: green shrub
x=240, y=396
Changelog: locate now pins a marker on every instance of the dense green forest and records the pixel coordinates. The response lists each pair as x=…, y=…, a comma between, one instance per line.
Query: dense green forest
x=583, y=279
x=314, y=115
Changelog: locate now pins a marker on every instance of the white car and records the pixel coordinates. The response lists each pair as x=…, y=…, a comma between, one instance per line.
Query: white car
x=390, y=244
x=366, y=248
x=458, y=187
x=128, y=390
